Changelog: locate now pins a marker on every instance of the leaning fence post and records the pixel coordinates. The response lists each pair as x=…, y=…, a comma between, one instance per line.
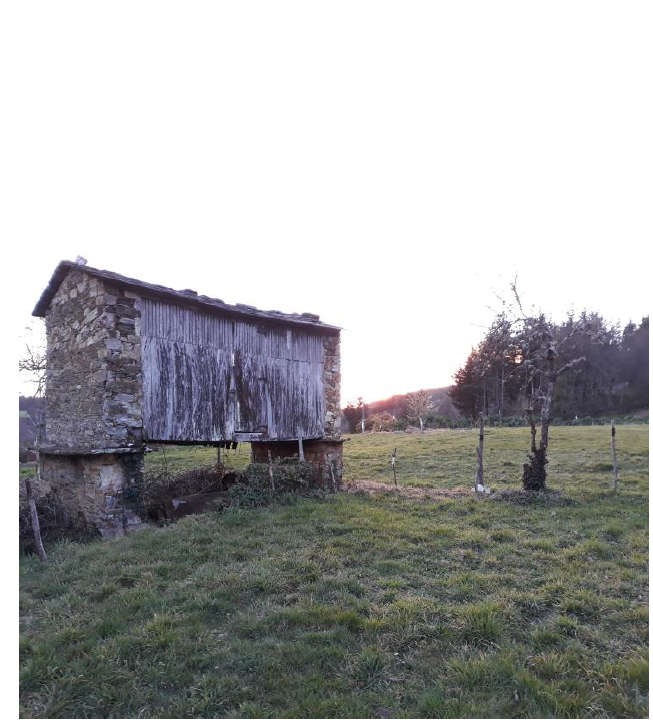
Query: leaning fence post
x=333, y=476
x=36, y=528
x=394, y=469
x=614, y=457
x=270, y=473
x=480, y=486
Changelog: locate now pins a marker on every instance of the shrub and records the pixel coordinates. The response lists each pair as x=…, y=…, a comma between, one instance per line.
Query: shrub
x=384, y=422
x=290, y=476
x=148, y=498
x=369, y=424
x=438, y=421
x=245, y=496
x=534, y=476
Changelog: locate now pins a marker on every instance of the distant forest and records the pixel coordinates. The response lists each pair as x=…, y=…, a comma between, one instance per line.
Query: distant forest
x=612, y=379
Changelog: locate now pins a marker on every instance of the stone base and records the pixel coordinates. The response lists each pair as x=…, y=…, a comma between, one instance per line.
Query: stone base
x=325, y=455
x=91, y=488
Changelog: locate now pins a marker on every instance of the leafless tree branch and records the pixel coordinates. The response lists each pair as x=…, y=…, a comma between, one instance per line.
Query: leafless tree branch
x=569, y=365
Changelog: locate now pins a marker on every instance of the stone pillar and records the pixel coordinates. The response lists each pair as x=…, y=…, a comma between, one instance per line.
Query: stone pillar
x=332, y=387
x=91, y=489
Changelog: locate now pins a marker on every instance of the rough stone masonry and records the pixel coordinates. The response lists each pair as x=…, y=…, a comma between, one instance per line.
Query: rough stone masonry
x=94, y=378
x=92, y=446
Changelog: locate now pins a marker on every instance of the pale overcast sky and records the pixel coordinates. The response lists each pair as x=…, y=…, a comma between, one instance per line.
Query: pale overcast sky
x=386, y=165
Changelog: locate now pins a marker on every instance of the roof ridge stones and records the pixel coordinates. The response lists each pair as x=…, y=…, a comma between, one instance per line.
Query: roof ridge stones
x=185, y=297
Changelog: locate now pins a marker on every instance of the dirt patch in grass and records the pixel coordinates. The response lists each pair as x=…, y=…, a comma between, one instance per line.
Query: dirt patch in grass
x=517, y=497
x=371, y=487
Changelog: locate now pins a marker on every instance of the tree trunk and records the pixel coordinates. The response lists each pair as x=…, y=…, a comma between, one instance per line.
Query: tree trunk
x=531, y=422
x=546, y=416
x=496, y=392
x=534, y=475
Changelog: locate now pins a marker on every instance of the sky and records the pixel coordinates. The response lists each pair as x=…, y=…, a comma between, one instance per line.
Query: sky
x=388, y=165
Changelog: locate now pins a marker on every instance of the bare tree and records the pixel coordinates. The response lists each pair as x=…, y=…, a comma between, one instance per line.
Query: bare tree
x=539, y=369
x=418, y=406
x=33, y=365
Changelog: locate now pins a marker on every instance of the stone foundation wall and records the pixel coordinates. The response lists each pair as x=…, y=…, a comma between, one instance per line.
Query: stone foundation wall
x=332, y=387
x=91, y=489
x=326, y=455
x=94, y=389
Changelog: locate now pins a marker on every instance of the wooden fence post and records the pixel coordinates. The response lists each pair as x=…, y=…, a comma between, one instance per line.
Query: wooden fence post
x=270, y=473
x=614, y=457
x=301, y=446
x=394, y=469
x=36, y=528
x=333, y=476
x=480, y=486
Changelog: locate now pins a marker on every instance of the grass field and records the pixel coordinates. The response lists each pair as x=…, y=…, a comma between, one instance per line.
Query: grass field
x=355, y=606
x=580, y=457
x=178, y=457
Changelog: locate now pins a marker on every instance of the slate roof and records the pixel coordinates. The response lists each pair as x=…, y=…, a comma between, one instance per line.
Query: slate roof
x=184, y=297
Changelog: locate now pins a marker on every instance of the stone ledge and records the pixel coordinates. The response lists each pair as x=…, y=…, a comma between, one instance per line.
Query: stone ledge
x=53, y=450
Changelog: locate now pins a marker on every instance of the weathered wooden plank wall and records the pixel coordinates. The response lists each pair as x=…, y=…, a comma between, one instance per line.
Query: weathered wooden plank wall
x=208, y=377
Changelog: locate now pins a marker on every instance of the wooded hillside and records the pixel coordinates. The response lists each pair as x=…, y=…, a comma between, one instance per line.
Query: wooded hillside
x=610, y=377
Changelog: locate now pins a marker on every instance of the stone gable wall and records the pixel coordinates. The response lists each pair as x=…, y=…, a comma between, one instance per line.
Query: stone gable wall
x=94, y=396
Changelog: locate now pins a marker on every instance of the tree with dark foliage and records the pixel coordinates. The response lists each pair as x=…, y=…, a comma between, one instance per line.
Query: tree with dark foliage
x=582, y=364
x=612, y=379
x=467, y=390
x=634, y=363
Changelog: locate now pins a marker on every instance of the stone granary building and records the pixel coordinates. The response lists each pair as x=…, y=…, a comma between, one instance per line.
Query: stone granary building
x=129, y=363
